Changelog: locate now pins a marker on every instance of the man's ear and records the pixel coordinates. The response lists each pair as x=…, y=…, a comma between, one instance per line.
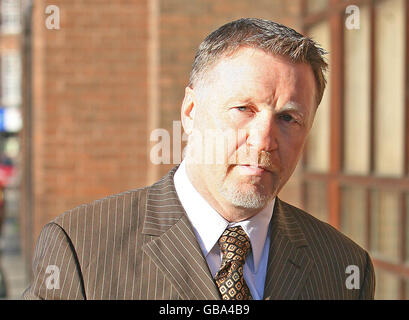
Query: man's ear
x=188, y=110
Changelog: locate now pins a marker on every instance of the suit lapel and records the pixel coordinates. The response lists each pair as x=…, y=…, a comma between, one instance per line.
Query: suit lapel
x=288, y=263
x=175, y=249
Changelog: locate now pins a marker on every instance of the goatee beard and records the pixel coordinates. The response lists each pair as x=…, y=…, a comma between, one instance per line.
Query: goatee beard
x=247, y=199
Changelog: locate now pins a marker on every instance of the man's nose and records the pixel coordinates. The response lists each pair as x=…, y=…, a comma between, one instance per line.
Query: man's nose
x=262, y=135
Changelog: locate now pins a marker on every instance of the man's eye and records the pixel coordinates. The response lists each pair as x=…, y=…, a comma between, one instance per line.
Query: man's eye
x=287, y=118
x=241, y=108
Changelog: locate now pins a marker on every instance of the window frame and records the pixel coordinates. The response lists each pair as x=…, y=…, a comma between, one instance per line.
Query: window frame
x=336, y=178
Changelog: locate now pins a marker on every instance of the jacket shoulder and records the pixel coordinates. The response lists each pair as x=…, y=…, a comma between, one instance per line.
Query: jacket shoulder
x=98, y=213
x=335, y=257
x=321, y=234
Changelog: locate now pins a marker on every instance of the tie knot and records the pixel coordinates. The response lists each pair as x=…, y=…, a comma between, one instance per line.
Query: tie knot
x=234, y=244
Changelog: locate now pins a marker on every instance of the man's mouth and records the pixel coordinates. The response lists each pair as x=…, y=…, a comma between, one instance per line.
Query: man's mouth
x=248, y=169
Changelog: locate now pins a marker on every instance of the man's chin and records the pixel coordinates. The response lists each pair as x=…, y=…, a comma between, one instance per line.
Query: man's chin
x=247, y=196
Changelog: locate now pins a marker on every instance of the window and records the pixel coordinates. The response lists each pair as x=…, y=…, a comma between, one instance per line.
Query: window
x=389, y=83
x=11, y=79
x=353, y=217
x=385, y=222
x=355, y=172
x=357, y=97
x=315, y=192
x=318, y=144
x=10, y=16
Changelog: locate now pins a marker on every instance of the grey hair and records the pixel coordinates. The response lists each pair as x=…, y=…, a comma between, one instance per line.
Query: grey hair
x=269, y=36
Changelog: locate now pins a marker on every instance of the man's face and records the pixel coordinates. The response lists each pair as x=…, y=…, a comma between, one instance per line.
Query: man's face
x=261, y=106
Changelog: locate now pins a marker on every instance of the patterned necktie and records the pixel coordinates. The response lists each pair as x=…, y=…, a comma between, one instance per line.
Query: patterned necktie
x=234, y=245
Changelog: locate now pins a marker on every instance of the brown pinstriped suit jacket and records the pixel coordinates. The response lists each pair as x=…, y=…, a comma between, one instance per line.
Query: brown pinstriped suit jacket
x=140, y=245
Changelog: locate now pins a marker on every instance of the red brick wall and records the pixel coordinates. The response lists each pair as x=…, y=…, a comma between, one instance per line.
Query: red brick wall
x=115, y=71
x=89, y=103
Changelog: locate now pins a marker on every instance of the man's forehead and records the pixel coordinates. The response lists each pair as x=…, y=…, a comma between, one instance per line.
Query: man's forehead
x=255, y=62
x=252, y=73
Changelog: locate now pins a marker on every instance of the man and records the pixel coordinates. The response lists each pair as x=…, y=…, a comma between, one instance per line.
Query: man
x=214, y=227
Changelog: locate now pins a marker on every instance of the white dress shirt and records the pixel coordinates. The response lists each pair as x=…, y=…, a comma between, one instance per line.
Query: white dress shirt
x=209, y=225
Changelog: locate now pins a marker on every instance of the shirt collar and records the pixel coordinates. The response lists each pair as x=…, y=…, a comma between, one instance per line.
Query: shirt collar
x=209, y=225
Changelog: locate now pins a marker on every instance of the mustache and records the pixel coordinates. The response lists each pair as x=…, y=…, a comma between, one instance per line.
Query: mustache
x=262, y=159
